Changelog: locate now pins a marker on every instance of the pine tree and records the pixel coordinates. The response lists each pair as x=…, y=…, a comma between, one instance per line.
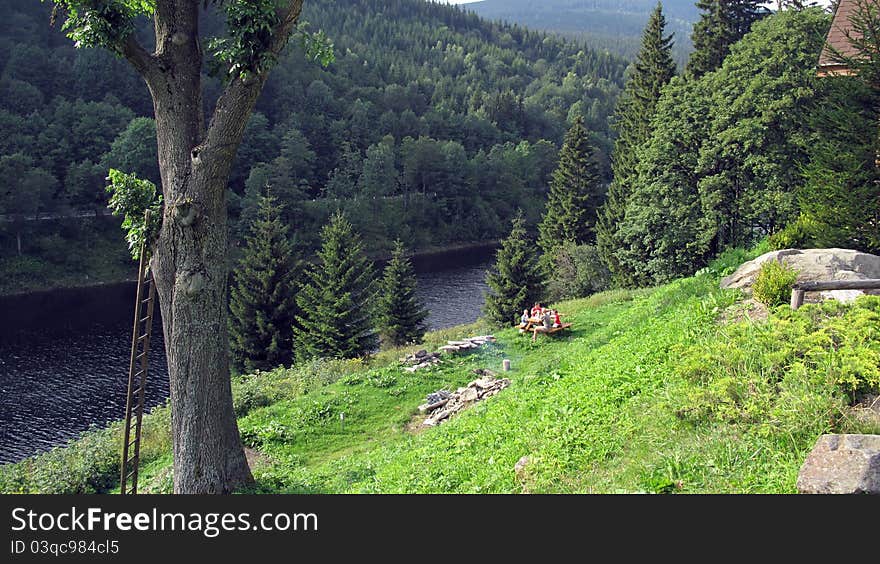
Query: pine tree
x=722, y=23
x=401, y=315
x=337, y=298
x=654, y=68
x=575, y=193
x=515, y=282
x=262, y=304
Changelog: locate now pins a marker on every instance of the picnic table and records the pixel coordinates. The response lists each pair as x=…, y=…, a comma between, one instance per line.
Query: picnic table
x=536, y=325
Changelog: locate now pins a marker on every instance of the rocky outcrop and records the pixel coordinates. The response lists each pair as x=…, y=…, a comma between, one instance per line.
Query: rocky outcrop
x=842, y=464
x=811, y=265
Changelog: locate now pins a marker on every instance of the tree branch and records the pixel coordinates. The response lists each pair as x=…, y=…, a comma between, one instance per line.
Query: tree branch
x=142, y=61
x=238, y=99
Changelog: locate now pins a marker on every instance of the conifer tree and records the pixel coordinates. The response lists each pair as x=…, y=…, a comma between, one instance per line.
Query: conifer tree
x=654, y=68
x=337, y=298
x=401, y=315
x=262, y=297
x=575, y=193
x=722, y=23
x=515, y=281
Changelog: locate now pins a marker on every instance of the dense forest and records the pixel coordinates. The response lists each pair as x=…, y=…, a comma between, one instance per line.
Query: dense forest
x=749, y=143
x=432, y=121
x=615, y=25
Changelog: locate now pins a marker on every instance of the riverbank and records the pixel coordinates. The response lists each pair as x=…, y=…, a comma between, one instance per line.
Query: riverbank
x=99, y=259
x=667, y=389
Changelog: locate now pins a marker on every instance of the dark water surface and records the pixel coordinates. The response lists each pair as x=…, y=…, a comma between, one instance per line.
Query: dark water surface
x=64, y=354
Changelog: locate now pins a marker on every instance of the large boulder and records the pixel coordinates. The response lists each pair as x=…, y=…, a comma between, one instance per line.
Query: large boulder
x=842, y=464
x=813, y=264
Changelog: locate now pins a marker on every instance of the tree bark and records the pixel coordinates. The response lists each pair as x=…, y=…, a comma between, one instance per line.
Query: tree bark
x=189, y=263
x=189, y=259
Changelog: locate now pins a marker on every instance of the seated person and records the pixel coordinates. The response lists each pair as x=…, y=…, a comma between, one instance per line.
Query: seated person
x=524, y=318
x=537, y=309
x=556, y=321
x=546, y=323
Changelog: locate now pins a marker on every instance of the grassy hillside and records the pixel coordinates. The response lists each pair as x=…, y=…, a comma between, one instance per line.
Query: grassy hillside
x=670, y=389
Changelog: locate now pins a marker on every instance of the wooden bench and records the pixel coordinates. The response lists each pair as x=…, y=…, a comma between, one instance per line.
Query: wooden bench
x=548, y=330
x=798, y=290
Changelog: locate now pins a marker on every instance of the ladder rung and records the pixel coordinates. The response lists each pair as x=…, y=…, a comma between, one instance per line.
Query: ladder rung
x=145, y=319
x=142, y=337
x=145, y=301
x=141, y=355
x=135, y=392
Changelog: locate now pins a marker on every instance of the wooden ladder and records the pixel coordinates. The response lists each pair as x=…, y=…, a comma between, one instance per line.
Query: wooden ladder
x=137, y=373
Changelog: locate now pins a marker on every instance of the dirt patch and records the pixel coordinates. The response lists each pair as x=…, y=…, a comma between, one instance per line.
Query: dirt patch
x=748, y=308
x=414, y=425
x=867, y=412
x=255, y=458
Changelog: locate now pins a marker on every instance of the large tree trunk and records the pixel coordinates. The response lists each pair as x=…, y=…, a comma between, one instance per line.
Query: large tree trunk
x=189, y=264
x=189, y=258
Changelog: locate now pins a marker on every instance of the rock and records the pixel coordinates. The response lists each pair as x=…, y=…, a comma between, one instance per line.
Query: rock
x=842, y=464
x=812, y=265
x=469, y=395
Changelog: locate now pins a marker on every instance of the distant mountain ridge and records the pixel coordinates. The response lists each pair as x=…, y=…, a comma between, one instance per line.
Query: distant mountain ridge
x=615, y=25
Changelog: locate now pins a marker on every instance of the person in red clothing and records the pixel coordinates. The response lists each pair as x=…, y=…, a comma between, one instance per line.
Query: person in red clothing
x=556, y=321
x=537, y=310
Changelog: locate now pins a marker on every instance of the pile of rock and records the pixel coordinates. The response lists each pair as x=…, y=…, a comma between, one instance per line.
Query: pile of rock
x=448, y=404
x=420, y=359
x=467, y=344
x=424, y=359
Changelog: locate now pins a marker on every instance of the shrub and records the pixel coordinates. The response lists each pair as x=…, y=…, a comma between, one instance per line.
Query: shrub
x=773, y=284
x=265, y=388
x=799, y=234
x=769, y=376
x=576, y=271
x=88, y=464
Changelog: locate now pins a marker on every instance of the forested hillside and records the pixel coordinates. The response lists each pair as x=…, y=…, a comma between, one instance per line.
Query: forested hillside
x=431, y=125
x=605, y=24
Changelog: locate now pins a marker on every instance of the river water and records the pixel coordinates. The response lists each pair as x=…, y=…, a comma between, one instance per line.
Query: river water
x=64, y=354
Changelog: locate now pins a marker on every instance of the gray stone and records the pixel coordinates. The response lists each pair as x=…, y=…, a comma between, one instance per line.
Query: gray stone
x=813, y=264
x=469, y=395
x=842, y=464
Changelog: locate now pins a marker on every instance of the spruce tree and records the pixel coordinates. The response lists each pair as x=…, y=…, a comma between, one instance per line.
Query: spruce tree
x=337, y=298
x=653, y=69
x=722, y=23
x=262, y=303
x=515, y=281
x=401, y=315
x=575, y=193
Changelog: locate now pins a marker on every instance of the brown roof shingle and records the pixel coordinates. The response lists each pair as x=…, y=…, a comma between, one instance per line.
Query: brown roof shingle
x=840, y=26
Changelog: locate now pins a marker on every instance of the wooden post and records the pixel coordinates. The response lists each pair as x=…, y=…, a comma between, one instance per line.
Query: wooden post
x=797, y=297
x=506, y=364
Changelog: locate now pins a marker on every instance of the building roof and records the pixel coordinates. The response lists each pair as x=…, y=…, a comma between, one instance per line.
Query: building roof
x=837, y=38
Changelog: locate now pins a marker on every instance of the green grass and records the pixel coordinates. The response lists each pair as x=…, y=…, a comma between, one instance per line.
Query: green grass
x=650, y=392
